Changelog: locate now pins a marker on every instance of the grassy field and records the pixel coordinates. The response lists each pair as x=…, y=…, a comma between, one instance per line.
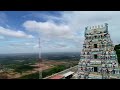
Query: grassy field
x=27, y=71
x=48, y=72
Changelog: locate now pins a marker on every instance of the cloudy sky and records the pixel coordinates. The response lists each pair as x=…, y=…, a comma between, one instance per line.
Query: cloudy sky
x=60, y=31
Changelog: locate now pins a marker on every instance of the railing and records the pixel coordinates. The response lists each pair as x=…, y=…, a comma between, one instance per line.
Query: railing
x=61, y=72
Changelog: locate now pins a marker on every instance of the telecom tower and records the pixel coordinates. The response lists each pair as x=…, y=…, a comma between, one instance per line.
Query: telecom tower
x=98, y=55
x=40, y=61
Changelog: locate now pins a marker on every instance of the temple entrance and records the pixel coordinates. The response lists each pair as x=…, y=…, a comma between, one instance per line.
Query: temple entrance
x=95, y=69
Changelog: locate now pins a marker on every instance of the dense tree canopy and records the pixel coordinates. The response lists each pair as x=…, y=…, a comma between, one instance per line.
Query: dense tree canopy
x=117, y=49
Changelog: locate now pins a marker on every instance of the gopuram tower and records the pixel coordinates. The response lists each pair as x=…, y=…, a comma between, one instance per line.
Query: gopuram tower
x=97, y=56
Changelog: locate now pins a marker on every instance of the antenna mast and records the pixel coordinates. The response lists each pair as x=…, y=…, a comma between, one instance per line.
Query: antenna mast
x=40, y=61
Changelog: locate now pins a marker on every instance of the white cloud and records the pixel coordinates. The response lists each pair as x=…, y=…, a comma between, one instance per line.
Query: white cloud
x=12, y=33
x=68, y=34
x=71, y=32
x=21, y=44
x=78, y=20
x=49, y=29
x=45, y=16
x=27, y=43
x=36, y=46
x=60, y=45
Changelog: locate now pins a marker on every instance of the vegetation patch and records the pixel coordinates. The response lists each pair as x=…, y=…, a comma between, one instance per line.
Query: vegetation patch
x=117, y=49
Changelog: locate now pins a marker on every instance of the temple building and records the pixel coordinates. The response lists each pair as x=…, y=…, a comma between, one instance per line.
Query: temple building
x=98, y=54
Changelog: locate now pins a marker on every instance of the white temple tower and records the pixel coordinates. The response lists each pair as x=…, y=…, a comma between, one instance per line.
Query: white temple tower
x=98, y=54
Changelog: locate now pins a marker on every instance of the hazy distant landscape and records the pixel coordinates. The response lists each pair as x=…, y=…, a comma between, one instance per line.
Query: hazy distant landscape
x=10, y=58
x=26, y=65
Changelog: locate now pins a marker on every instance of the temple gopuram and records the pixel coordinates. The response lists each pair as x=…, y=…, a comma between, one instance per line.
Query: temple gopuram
x=98, y=58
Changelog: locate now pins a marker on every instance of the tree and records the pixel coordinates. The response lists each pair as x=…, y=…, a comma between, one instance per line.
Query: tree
x=117, y=49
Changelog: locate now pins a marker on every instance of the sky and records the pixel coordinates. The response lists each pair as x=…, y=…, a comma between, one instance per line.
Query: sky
x=59, y=31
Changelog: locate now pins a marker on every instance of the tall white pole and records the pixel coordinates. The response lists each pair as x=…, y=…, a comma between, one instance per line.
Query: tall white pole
x=40, y=60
